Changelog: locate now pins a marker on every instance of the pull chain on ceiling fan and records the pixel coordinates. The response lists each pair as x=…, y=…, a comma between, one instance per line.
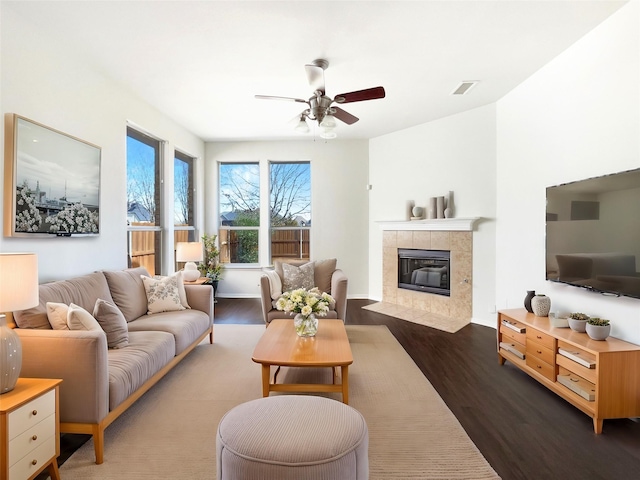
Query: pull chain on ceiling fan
x=321, y=108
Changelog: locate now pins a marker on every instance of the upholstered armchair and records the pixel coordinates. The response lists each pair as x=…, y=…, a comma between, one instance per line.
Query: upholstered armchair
x=299, y=273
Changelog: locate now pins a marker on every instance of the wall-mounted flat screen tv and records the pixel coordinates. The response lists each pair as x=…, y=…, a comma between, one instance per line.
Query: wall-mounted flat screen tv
x=593, y=234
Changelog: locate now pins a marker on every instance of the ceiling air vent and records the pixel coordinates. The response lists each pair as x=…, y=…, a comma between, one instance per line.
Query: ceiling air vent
x=464, y=87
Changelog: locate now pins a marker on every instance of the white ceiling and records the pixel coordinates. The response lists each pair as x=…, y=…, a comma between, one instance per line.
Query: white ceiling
x=202, y=62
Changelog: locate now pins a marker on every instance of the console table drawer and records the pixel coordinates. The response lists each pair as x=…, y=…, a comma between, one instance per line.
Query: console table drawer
x=543, y=368
x=539, y=337
x=515, y=336
x=28, y=465
x=32, y=439
x=541, y=352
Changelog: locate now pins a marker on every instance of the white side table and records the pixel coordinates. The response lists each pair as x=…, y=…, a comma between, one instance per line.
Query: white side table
x=30, y=429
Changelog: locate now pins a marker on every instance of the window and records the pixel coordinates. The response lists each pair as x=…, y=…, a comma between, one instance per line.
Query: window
x=239, y=200
x=143, y=201
x=183, y=200
x=290, y=210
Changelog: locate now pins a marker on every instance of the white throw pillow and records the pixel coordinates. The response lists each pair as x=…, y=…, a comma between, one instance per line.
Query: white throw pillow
x=298, y=277
x=275, y=283
x=79, y=319
x=57, y=315
x=181, y=290
x=162, y=294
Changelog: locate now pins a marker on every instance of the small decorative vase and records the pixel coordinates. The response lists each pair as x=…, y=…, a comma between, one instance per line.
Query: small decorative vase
x=10, y=356
x=433, y=208
x=416, y=212
x=306, y=325
x=541, y=304
x=527, y=300
x=440, y=207
x=598, y=332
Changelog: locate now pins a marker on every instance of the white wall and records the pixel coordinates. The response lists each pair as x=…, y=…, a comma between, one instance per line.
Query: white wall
x=47, y=82
x=577, y=117
x=456, y=153
x=339, y=207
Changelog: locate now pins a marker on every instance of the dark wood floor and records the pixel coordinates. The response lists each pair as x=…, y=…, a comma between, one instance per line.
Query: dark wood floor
x=523, y=430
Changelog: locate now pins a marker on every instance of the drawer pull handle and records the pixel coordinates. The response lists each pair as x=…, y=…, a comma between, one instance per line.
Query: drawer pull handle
x=539, y=351
x=539, y=366
x=34, y=438
x=538, y=337
x=34, y=462
x=35, y=412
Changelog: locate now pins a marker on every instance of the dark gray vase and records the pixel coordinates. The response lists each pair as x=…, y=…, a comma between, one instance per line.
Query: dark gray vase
x=527, y=300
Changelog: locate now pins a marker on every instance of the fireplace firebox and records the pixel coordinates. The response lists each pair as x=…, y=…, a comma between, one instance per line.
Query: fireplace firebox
x=424, y=270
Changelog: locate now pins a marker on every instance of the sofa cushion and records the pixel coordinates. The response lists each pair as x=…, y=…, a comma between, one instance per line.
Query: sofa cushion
x=127, y=291
x=83, y=291
x=322, y=273
x=275, y=284
x=129, y=368
x=185, y=326
x=79, y=319
x=162, y=294
x=297, y=277
x=112, y=322
x=57, y=314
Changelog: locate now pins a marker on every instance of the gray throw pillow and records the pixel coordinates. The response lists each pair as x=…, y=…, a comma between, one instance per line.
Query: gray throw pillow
x=298, y=277
x=323, y=271
x=113, y=323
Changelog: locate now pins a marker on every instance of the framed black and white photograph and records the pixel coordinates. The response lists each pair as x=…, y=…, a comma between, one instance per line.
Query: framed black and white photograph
x=51, y=181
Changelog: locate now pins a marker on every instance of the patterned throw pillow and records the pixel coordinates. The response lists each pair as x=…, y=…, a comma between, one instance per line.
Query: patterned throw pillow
x=181, y=290
x=162, y=294
x=297, y=277
x=112, y=322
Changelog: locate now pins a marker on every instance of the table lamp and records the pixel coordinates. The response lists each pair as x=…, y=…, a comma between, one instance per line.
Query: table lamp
x=18, y=291
x=189, y=252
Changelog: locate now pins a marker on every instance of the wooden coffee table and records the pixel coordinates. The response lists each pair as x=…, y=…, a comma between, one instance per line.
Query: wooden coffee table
x=282, y=347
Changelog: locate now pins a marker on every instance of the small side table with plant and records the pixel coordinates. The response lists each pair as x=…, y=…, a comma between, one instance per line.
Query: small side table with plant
x=210, y=267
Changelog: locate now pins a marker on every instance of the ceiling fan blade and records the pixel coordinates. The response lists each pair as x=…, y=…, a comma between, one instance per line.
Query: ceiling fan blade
x=360, y=95
x=288, y=99
x=315, y=75
x=346, y=117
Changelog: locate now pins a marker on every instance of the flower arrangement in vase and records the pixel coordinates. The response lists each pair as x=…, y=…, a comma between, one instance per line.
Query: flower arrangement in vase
x=210, y=266
x=306, y=304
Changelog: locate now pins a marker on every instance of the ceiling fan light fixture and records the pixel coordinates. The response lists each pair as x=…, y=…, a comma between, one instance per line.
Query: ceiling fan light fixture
x=328, y=133
x=302, y=126
x=328, y=121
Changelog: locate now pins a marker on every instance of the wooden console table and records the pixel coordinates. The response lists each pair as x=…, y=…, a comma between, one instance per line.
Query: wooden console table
x=601, y=378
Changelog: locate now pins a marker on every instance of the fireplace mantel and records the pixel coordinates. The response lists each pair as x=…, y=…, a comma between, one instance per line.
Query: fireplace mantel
x=433, y=224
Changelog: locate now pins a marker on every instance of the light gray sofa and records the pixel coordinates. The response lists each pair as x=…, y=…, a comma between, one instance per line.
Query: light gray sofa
x=100, y=383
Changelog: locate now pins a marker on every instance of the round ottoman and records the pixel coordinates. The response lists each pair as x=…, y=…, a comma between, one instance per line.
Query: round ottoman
x=292, y=437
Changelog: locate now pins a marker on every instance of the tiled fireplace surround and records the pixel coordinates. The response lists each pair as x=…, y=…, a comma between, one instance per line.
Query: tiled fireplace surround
x=423, y=307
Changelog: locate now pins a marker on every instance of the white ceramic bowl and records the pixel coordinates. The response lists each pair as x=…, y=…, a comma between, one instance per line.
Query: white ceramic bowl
x=578, y=325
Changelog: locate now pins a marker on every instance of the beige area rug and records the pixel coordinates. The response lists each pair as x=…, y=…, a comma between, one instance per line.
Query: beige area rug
x=170, y=432
x=446, y=324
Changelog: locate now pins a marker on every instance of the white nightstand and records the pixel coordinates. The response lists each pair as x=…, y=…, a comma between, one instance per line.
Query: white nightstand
x=30, y=429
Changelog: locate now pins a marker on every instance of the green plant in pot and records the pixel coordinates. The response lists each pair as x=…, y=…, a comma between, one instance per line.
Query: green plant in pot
x=210, y=266
x=598, y=328
x=578, y=321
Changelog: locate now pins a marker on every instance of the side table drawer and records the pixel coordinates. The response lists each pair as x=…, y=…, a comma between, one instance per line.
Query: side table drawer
x=28, y=465
x=31, y=413
x=32, y=439
x=543, y=368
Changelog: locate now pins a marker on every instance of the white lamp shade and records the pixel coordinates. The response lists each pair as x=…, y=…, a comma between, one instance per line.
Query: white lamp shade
x=189, y=252
x=18, y=281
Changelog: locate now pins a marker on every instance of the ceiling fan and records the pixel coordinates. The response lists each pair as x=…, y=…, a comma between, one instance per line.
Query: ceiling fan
x=321, y=108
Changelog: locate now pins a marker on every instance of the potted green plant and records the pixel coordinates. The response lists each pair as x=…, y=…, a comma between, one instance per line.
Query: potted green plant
x=578, y=321
x=210, y=266
x=598, y=328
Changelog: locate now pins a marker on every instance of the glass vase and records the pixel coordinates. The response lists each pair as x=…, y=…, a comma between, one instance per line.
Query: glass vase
x=306, y=325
